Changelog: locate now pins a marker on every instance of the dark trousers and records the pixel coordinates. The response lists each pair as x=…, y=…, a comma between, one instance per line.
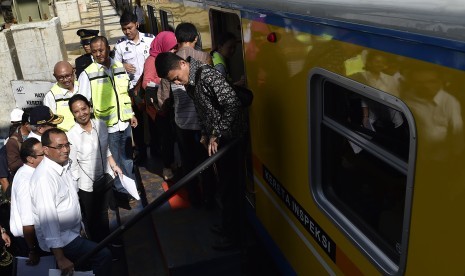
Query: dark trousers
x=100, y=262
x=192, y=154
x=164, y=131
x=231, y=172
x=94, y=207
x=138, y=132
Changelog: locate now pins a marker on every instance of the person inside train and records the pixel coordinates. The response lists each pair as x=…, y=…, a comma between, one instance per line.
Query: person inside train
x=222, y=123
x=225, y=49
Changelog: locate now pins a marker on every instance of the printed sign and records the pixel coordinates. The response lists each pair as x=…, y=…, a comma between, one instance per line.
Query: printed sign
x=29, y=94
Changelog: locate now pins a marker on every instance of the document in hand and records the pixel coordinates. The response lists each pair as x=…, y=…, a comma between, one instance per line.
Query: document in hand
x=57, y=272
x=130, y=186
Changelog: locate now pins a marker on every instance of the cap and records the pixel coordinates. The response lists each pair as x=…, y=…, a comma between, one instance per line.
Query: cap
x=86, y=35
x=16, y=115
x=41, y=115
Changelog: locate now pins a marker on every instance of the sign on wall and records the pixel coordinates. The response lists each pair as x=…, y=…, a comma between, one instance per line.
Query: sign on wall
x=29, y=94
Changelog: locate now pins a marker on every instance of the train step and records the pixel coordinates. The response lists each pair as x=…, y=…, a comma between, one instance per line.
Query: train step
x=185, y=240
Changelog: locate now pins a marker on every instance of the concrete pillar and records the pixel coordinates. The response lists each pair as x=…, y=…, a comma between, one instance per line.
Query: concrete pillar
x=40, y=45
x=68, y=11
x=10, y=71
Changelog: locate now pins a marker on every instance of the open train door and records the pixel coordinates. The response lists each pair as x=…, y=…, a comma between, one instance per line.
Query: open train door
x=223, y=21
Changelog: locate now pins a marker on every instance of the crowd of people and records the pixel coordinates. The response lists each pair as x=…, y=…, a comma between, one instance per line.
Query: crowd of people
x=64, y=161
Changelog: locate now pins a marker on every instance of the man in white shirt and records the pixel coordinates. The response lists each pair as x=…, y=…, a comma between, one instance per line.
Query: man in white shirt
x=60, y=93
x=21, y=218
x=56, y=211
x=132, y=50
x=105, y=84
x=41, y=119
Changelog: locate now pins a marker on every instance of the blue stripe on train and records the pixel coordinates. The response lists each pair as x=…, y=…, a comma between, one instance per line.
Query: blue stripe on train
x=431, y=49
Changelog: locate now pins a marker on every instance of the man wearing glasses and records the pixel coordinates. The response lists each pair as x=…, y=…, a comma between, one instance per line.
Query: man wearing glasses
x=21, y=218
x=65, y=87
x=41, y=119
x=56, y=211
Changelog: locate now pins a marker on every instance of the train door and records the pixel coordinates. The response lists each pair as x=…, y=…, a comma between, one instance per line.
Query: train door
x=223, y=24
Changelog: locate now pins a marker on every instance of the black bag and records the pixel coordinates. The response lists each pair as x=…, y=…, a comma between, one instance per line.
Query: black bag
x=104, y=183
x=244, y=94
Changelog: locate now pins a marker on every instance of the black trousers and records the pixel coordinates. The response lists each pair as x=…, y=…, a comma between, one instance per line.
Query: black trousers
x=94, y=208
x=231, y=172
x=164, y=130
x=192, y=154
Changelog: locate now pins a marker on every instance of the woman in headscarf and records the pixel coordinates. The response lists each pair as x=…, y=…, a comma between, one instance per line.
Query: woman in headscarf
x=157, y=90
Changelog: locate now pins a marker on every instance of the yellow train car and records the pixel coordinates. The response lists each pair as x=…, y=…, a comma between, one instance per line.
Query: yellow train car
x=357, y=140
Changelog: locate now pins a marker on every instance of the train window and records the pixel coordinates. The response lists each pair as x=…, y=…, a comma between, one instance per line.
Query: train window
x=361, y=152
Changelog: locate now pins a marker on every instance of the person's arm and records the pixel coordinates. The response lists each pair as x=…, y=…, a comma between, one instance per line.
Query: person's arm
x=64, y=264
x=84, y=86
x=4, y=183
x=12, y=155
x=30, y=237
x=73, y=156
x=150, y=73
x=5, y=236
x=227, y=99
x=49, y=100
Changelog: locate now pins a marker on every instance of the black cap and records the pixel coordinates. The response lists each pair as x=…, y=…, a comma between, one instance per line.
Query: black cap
x=41, y=115
x=86, y=35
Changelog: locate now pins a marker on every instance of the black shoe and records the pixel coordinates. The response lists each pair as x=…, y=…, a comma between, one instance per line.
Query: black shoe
x=217, y=229
x=224, y=244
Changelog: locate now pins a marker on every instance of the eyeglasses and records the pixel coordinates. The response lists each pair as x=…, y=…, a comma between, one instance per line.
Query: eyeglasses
x=37, y=155
x=60, y=147
x=65, y=77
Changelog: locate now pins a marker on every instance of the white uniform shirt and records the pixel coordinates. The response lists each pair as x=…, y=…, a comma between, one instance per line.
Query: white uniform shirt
x=55, y=205
x=49, y=99
x=134, y=53
x=33, y=135
x=86, y=91
x=21, y=207
x=87, y=152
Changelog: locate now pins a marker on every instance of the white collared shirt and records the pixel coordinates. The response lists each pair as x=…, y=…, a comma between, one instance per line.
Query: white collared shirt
x=21, y=207
x=86, y=91
x=33, y=135
x=134, y=53
x=87, y=150
x=55, y=205
x=49, y=99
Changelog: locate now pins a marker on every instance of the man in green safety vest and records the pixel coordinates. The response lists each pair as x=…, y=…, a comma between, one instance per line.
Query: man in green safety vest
x=105, y=83
x=65, y=87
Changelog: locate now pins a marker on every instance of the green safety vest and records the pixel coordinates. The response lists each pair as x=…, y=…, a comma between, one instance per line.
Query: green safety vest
x=217, y=58
x=61, y=101
x=110, y=98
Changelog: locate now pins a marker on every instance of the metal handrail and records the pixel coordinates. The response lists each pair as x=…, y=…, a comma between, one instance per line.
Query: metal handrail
x=163, y=198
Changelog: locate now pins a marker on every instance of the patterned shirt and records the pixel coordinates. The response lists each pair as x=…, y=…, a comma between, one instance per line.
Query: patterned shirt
x=218, y=107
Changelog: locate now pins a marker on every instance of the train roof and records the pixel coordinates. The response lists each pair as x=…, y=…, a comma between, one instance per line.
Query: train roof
x=443, y=19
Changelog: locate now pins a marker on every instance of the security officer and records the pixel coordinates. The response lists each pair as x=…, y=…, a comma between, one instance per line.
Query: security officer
x=85, y=60
x=60, y=93
x=105, y=83
x=132, y=50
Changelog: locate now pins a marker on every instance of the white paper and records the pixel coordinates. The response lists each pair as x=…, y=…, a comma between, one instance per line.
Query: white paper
x=57, y=272
x=130, y=185
x=41, y=269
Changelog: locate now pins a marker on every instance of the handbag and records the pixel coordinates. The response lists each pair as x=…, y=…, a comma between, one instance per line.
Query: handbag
x=105, y=181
